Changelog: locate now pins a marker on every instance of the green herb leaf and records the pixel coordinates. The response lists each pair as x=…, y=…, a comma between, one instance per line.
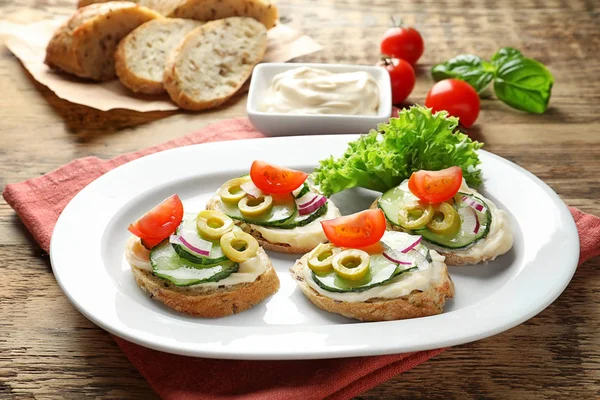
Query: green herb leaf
x=505, y=54
x=385, y=157
x=467, y=67
x=523, y=83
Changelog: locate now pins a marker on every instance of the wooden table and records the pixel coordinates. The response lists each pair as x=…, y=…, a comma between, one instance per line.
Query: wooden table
x=49, y=350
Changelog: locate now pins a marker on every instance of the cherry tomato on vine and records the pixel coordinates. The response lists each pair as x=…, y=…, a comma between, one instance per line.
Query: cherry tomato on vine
x=402, y=42
x=402, y=76
x=457, y=97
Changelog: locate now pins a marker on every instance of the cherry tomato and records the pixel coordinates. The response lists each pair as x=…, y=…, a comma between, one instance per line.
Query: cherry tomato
x=357, y=230
x=402, y=76
x=273, y=179
x=403, y=43
x=435, y=186
x=159, y=223
x=457, y=97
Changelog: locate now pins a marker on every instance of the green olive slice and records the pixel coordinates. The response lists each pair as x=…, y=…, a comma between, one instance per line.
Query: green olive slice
x=448, y=224
x=253, y=206
x=423, y=212
x=238, y=246
x=321, y=257
x=231, y=192
x=351, y=264
x=213, y=224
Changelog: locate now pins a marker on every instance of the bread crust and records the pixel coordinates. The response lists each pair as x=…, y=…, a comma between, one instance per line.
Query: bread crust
x=263, y=11
x=125, y=55
x=213, y=204
x=177, y=85
x=210, y=302
x=416, y=304
x=84, y=45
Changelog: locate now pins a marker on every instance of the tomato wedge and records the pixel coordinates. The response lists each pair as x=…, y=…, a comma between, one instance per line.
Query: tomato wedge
x=357, y=230
x=274, y=179
x=159, y=223
x=435, y=186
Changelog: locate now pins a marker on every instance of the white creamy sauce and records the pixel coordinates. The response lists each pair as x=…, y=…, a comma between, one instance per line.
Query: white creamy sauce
x=314, y=91
x=403, y=285
x=307, y=236
x=138, y=256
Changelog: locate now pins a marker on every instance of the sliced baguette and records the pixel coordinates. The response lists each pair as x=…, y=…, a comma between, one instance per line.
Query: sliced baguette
x=416, y=304
x=141, y=55
x=263, y=11
x=86, y=43
x=210, y=302
x=212, y=62
x=164, y=7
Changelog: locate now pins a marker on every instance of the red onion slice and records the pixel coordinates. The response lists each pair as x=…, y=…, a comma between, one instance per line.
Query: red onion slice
x=307, y=199
x=394, y=260
x=251, y=190
x=412, y=246
x=197, y=245
x=467, y=200
x=309, y=209
x=470, y=221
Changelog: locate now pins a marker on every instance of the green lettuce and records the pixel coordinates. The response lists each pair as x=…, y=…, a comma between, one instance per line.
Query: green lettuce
x=383, y=158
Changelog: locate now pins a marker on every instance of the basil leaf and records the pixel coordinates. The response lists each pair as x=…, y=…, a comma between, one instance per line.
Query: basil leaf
x=467, y=67
x=523, y=83
x=504, y=55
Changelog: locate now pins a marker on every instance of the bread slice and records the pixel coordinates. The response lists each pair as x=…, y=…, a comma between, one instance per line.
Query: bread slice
x=86, y=43
x=263, y=11
x=212, y=62
x=164, y=7
x=210, y=302
x=416, y=304
x=141, y=55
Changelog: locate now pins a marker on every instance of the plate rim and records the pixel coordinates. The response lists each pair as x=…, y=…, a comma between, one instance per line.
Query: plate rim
x=294, y=354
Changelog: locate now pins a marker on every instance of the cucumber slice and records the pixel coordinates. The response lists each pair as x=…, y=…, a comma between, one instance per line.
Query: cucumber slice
x=283, y=209
x=301, y=220
x=167, y=264
x=188, y=226
x=301, y=191
x=381, y=271
x=392, y=201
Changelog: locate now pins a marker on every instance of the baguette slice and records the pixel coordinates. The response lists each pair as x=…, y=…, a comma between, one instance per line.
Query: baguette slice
x=86, y=43
x=416, y=304
x=141, y=55
x=210, y=302
x=164, y=7
x=263, y=11
x=212, y=62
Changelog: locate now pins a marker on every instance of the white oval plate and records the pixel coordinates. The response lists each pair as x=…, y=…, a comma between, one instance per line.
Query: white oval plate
x=88, y=241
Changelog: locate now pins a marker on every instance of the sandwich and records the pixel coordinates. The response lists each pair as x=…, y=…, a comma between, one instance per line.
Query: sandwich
x=453, y=219
x=370, y=274
x=198, y=264
x=277, y=206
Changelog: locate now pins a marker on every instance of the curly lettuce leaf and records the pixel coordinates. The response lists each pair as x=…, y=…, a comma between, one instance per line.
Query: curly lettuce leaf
x=383, y=158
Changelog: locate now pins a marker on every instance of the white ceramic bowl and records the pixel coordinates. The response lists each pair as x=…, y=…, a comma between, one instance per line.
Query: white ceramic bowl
x=280, y=124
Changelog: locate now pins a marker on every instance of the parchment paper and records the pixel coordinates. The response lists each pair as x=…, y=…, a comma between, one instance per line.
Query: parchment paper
x=28, y=43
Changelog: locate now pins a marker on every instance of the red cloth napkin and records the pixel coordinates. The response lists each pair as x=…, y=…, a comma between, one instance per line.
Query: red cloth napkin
x=40, y=201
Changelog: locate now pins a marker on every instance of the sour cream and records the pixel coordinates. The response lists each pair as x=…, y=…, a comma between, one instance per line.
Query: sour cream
x=314, y=91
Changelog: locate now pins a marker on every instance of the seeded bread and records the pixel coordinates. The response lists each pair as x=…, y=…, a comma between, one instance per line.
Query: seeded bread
x=416, y=304
x=210, y=302
x=164, y=7
x=212, y=62
x=263, y=11
x=86, y=43
x=141, y=55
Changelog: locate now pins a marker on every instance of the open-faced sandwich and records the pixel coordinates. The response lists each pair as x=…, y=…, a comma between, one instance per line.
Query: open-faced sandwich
x=452, y=218
x=371, y=274
x=202, y=265
x=276, y=206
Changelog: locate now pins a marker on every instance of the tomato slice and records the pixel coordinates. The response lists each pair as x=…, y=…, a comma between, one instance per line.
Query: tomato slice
x=357, y=230
x=435, y=186
x=274, y=179
x=159, y=223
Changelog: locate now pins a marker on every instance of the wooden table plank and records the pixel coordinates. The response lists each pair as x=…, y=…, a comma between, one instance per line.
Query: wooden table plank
x=48, y=350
